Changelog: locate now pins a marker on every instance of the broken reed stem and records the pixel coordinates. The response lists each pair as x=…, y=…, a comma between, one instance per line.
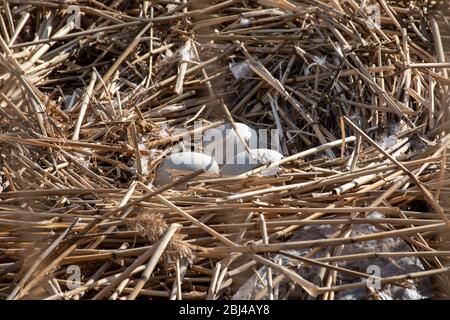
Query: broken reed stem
x=84, y=105
x=267, y=256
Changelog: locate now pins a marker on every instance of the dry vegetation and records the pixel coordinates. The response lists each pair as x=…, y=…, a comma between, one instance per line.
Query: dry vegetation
x=87, y=112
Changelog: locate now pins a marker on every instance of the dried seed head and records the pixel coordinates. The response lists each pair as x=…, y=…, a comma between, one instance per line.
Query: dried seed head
x=178, y=249
x=150, y=225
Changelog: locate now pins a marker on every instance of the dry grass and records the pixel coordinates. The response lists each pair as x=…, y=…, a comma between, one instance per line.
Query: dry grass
x=88, y=112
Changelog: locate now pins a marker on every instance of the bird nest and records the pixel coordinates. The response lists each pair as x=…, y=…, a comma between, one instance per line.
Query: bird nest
x=95, y=95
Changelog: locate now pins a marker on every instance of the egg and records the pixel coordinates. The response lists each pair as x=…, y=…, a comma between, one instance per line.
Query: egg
x=179, y=164
x=244, y=162
x=223, y=142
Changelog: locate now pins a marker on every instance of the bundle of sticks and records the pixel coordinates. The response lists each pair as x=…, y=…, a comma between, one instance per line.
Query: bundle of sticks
x=93, y=93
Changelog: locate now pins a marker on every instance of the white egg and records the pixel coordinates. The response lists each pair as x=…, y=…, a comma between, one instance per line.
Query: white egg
x=182, y=163
x=223, y=142
x=244, y=162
